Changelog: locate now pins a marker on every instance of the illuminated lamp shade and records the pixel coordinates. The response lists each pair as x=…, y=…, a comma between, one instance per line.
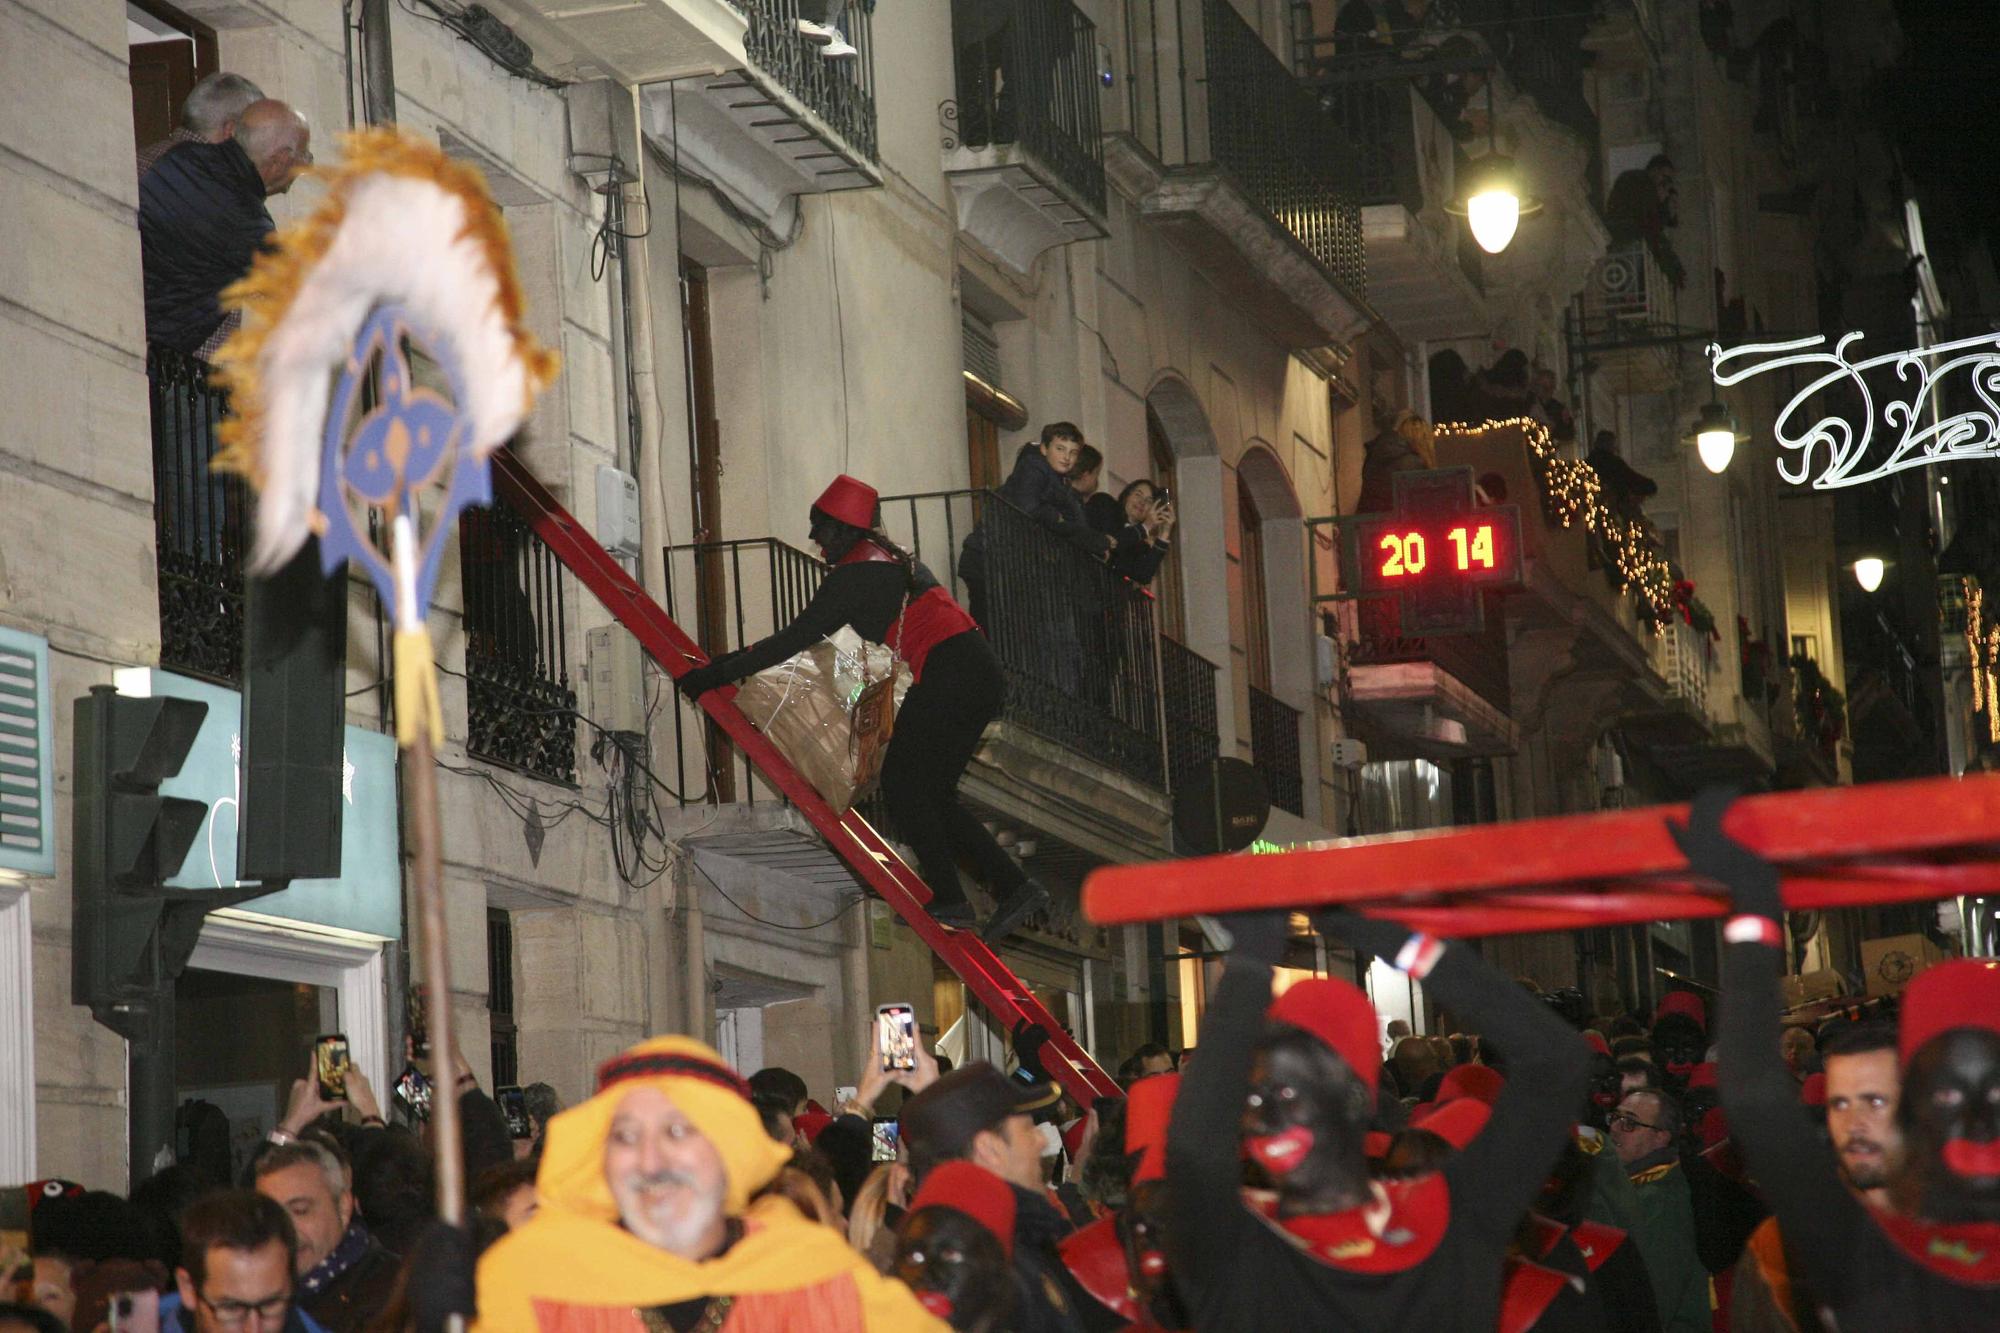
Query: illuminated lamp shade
x=1715, y=437
x=1492, y=203
x=1868, y=572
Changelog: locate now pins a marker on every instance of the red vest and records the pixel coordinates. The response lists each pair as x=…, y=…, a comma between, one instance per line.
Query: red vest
x=929, y=619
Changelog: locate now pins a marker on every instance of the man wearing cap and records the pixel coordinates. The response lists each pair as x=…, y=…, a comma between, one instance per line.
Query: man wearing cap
x=979, y=1115
x=888, y=597
x=1293, y=1083
x=1933, y=1262
x=646, y=1221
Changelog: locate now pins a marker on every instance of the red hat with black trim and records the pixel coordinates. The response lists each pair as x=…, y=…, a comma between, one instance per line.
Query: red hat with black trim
x=852, y=502
x=1339, y=1015
x=1962, y=993
x=974, y=1191
x=1456, y=1122
x=1148, y=1107
x=1479, y=1082
x=1686, y=1003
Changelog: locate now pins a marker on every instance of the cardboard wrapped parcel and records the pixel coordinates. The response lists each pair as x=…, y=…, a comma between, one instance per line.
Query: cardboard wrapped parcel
x=831, y=711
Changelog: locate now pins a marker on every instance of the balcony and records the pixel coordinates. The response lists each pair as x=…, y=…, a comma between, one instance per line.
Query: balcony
x=1681, y=719
x=520, y=696
x=1427, y=697
x=1274, y=750
x=757, y=109
x=1625, y=323
x=1423, y=270
x=1023, y=149
x=1236, y=163
x=200, y=521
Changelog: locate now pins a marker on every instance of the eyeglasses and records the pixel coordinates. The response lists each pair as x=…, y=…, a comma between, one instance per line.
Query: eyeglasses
x=235, y=1314
x=1625, y=1122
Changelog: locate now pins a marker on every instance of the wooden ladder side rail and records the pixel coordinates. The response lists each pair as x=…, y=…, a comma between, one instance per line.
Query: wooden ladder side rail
x=850, y=836
x=1910, y=841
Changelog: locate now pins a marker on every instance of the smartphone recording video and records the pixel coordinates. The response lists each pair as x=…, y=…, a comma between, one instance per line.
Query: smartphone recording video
x=896, y=1036
x=885, y=1133
x=330, y=1066
x=413, y=1090
x=514, y=1105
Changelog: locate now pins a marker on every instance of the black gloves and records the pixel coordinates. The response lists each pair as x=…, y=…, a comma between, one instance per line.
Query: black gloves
x=1258, y=937
x=1383, y=939
x=1029, y=1038
x=441, y=1281
x=1751, y=880
x=702, y=679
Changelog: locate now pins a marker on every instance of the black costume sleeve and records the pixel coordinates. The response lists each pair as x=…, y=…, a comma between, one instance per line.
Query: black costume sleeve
x=1785, y=1154
x=836, y=603
x=1204, y=1159
x=1498, y=1175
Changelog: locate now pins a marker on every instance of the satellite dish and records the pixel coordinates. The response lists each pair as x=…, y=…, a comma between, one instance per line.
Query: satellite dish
x=1228, y=799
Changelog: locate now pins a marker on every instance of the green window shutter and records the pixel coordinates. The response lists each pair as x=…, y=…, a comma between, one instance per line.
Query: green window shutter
x=27, y=756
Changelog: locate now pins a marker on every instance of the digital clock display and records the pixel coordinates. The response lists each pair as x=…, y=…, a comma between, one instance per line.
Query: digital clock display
x=1438, y=551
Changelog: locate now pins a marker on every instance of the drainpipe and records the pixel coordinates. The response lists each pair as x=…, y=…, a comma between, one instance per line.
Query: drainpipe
x=378, y=65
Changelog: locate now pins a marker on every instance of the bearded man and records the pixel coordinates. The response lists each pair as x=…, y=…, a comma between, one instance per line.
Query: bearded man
x=1293, y=1083
x=1931, y=1261
x=647, y=1224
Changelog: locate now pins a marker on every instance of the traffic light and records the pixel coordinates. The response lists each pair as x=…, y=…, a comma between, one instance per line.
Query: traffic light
x=127, y=841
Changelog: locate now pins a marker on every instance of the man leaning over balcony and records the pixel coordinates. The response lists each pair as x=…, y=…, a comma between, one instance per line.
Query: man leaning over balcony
x=202, y=219
x=208, y=115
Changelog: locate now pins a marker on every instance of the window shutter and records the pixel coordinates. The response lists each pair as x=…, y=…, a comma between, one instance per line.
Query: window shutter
x=27, y=763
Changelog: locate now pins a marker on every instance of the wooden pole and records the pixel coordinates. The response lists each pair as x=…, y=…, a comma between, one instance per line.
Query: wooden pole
x=420, y=774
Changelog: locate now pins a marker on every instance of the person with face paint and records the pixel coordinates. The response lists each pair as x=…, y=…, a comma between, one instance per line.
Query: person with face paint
x=955, y=1248
x=1934, y=1262
x=1292, y=1083
x=1122, y=1259
x=1680, y=1037
x=888, y=597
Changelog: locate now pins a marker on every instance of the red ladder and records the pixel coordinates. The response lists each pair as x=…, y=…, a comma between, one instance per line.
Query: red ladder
x=852, y=838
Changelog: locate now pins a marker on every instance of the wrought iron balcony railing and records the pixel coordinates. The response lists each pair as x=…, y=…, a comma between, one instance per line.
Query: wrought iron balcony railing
x=520, y=699
x=729, y=594
x=1032, y=80
x=1077, y=642
x=1274, y=749
x=200, y=522
x=840, y=92
x=1187, y=697
x=1202, y=88
x=1478, y=661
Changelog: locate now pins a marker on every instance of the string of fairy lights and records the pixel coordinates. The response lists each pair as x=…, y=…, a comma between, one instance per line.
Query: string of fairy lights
x=1982, y=647
x=1575, y=498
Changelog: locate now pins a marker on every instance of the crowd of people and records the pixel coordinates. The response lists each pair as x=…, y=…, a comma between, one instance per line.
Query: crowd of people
x=1695, y=1168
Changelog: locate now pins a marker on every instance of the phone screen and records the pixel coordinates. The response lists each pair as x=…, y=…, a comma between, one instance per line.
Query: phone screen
x=514, y=1105
x=885, y=1141
x=896, y=1036
x=413, y=1090
x=330, y=1064
x=135, y=1312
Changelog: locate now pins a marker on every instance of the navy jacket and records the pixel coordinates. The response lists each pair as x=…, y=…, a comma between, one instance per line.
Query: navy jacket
x=1044, y=494
x=201, y=221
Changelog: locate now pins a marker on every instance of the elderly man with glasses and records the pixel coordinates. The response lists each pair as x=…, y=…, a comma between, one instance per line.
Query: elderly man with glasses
x=238, y=1250
x=1645, y=1133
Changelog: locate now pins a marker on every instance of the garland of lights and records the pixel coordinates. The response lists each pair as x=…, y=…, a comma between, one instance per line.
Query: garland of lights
x=1573, y=492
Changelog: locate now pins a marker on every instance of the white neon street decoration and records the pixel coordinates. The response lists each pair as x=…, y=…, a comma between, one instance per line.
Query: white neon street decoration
x=1915, y=375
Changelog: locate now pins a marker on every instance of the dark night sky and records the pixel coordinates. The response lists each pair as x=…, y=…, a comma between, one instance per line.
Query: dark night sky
x=1949, y=103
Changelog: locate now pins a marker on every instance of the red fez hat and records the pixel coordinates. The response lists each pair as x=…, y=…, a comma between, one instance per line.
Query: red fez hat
x=974, y=1191
x=1339, y=1015
x=1457, y=1123
x=1813, y=1091
x=852, y=502
x=1595, y=1040
x=811, y=1124
x=1963, y=993
x=1478, y=1082
x=1148, y=1107
x=1683, y=1002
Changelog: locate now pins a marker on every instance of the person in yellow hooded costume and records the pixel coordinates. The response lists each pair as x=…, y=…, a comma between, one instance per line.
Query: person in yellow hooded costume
x=647, y=1223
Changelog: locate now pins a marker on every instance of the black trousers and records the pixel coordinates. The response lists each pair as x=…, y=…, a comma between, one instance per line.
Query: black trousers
x=937, y=730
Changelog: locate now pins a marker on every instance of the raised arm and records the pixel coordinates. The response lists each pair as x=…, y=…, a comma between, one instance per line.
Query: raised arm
x=1204, y=1159
x=1500, y=1172
x=1785, y=1153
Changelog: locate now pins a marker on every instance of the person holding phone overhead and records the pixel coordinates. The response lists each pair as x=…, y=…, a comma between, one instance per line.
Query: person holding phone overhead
x=890, y=598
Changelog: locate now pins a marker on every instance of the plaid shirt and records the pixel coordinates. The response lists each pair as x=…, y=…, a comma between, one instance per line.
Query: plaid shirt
x=153, y=152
